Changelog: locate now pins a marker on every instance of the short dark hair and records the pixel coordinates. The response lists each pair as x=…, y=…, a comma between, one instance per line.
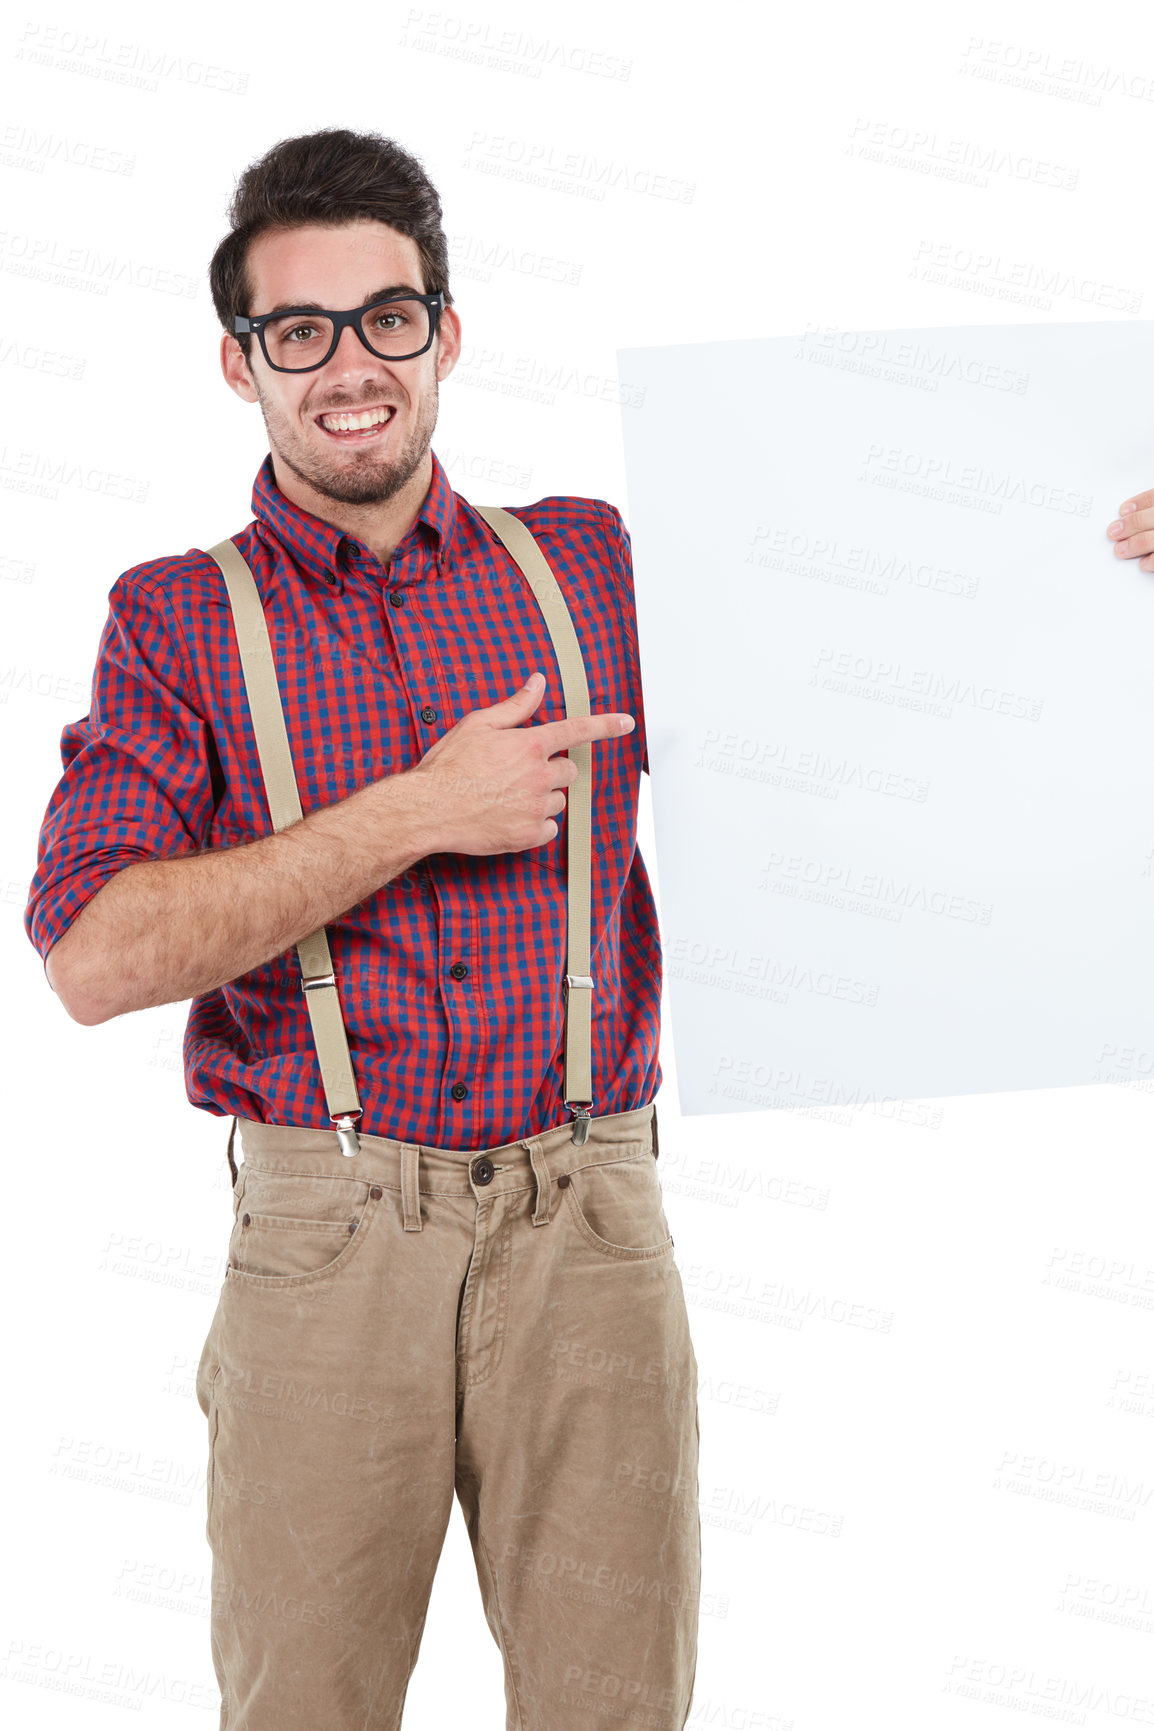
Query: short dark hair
x=329, y=177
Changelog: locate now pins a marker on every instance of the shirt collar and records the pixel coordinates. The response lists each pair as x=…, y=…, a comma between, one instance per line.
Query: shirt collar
x=317, y=546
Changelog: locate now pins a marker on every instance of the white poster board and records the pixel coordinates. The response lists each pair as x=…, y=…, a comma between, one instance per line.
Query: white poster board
x=900, y=701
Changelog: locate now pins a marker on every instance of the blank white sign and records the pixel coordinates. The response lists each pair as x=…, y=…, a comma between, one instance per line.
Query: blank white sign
x=899, y=693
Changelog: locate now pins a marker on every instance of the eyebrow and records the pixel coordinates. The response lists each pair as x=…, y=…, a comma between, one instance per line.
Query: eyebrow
x=397, y=288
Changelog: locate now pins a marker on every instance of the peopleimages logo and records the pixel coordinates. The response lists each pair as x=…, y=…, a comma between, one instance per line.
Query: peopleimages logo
x=25, y=147
x=474, y=39
x=35, y=359
x=544, y=164
x=133, y=64
x=46, y=258
x=41, y=474
x=477, y=257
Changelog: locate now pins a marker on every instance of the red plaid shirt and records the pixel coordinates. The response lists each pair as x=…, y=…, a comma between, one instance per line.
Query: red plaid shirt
x=373, y=668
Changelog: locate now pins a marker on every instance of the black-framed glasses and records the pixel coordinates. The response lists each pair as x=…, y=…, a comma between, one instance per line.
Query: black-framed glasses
x=300, y=339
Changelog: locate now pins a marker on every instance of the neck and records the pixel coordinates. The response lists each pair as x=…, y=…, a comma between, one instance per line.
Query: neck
x=380, y=526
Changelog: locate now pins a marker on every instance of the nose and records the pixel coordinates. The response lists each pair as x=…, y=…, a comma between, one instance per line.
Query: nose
x=351, y=357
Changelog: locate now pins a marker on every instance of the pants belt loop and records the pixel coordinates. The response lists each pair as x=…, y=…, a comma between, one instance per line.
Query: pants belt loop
x=410, y=1186
x=541, y=1173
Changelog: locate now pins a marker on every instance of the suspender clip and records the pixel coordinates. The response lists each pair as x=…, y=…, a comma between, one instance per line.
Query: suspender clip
x=347, y=1138
x=581, y=1122
x=585, y=980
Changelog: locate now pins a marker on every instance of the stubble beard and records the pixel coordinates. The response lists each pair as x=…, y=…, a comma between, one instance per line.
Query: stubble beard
x=371, y=482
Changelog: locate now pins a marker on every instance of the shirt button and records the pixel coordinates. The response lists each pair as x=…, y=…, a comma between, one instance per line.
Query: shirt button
x=458, y=1090
x=397, y=597
x=428, y=713
x=483, y=1171
x=458, y=970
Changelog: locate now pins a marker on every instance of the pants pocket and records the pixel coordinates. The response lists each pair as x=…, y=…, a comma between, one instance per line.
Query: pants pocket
x=295, y=1225
x=213, y=1426
x=207, y=1372
x=617, y=1208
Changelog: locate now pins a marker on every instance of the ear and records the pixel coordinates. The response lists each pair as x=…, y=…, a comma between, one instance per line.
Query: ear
x=235, y=369
x=448, y=342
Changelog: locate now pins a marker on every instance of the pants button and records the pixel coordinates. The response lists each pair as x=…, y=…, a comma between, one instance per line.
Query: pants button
x=482, y=1171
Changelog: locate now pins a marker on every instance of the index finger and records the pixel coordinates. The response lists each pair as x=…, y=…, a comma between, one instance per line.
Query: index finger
x=578, y=729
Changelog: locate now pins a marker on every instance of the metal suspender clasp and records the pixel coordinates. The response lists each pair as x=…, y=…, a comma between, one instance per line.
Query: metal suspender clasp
x=572, y=980
x=347, y=1138
x=580, y=1121
x=310, y=985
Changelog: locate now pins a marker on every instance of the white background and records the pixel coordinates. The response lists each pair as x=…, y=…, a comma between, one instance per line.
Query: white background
x=923, y=1329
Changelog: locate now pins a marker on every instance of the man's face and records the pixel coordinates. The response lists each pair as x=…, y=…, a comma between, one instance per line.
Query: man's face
x=338, y=268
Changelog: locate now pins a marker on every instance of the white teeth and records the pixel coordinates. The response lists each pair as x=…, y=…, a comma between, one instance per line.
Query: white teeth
x=348, y=423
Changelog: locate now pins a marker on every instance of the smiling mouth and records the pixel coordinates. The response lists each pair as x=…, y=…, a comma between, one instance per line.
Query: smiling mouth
x=352, y=427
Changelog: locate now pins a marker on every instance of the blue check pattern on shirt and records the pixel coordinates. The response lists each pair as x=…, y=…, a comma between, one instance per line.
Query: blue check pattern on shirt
x=373, y=667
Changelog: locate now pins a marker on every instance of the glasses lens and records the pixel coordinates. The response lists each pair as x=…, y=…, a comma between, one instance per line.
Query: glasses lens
x=298, y=340
x=396, y=328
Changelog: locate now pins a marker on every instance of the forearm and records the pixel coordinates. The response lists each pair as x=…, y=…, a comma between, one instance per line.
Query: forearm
x=162, y=931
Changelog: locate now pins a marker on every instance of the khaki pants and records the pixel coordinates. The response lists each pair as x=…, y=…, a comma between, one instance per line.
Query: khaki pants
x=506, y=1324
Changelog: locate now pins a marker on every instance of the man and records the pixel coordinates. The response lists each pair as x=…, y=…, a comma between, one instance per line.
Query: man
x=466, y=1282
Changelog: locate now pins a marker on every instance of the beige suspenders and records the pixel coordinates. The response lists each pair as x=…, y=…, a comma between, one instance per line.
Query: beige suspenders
x=578, y=1084
x=317, y=979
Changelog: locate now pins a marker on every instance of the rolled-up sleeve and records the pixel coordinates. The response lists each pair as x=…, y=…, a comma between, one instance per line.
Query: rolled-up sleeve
x=138, y=768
